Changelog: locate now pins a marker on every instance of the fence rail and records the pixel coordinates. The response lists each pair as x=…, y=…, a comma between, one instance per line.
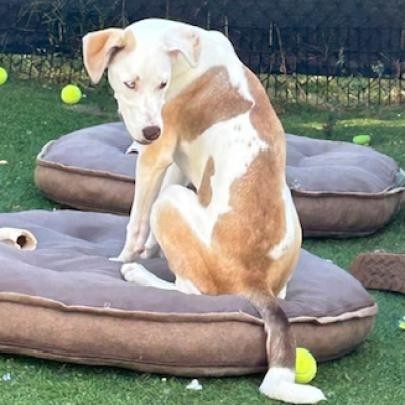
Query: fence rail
x=352, y=57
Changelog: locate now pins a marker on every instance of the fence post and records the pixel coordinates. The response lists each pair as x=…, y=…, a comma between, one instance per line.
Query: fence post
x=167, y=11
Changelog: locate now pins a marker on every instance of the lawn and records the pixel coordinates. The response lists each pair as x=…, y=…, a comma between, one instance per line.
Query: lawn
x=31, y=114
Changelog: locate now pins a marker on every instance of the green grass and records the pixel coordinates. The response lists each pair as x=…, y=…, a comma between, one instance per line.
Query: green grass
x=31, y=114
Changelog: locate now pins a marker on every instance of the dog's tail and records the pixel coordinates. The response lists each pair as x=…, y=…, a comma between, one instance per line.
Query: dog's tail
x=280, y=348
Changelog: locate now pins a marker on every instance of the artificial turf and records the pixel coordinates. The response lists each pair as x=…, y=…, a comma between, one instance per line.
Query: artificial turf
x=31, y=114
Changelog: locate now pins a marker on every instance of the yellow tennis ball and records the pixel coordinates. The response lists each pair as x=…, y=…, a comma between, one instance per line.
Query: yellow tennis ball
x=3, y=75
x=71, y=94
x=305, y=366
x=362, y=140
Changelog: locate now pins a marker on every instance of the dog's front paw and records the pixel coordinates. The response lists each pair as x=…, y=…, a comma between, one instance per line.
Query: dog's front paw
x=137, y=274
x=128, y=268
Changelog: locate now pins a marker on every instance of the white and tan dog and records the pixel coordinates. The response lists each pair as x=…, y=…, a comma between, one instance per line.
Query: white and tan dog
x=205, y=118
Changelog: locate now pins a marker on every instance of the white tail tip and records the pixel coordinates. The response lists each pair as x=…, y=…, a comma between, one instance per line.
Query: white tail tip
x=279, y=384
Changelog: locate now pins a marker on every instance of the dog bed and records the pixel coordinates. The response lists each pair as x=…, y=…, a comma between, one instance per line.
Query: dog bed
x=340, y=189
x=66, y=301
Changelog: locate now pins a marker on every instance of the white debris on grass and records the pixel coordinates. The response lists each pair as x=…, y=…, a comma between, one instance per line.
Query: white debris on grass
x=6, y=377
x=194, y=385
x=164, y=379
x=3, y=162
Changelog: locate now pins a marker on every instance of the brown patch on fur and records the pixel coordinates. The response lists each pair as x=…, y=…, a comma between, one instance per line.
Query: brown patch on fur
x=101, y=46
x=206, y=101
x=257, y=220
x=129, y=41
x=97, y=50
x=205, y=190
x=244, y=236
x=280, y=270
x=159, y=153
x=263, y=116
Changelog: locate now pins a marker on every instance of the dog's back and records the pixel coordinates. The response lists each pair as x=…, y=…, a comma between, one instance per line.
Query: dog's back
x=233, y=150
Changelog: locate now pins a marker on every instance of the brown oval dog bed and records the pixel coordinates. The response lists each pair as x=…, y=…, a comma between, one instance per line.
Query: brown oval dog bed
x=67, y=301
x=340, y=189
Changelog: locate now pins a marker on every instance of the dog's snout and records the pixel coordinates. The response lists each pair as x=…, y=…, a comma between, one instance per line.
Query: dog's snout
x=151, y=133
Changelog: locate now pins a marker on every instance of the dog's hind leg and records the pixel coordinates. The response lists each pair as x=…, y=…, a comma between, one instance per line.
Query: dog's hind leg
x=175, y=220
x=178, y=222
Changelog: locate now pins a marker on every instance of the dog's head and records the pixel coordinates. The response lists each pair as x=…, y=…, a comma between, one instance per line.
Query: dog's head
x=140, y=66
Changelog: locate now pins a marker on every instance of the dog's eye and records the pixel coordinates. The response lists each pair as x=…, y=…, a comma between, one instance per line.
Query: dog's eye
x=131, y=84
x=162, y=85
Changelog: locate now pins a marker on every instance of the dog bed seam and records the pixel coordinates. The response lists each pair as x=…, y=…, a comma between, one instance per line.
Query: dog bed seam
x=25, y=299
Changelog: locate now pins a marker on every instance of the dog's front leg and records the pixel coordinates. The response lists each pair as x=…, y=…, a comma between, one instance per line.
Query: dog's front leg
x=173, y=176
x=152, y=164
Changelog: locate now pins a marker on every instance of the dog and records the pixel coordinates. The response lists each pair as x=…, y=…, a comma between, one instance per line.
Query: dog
x=201, y=116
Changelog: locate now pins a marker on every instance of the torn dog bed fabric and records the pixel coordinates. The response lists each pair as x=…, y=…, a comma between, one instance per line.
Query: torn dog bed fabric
x=65, y=300
x=340, y=189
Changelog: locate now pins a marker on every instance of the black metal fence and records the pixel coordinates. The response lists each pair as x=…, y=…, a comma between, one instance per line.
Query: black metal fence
x=338, y=51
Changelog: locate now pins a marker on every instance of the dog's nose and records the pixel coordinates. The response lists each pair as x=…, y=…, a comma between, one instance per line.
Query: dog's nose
x=151, y=133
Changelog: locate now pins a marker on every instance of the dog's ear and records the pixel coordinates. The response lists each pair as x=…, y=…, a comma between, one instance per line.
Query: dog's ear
x=185, y=40
x=98, y=48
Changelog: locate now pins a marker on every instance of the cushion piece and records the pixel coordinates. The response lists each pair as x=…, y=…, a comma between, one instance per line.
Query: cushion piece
x=67, y=301
x=340, y=189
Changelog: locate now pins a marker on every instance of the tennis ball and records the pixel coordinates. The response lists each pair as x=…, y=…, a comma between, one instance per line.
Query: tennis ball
x=401, y=323
x=305, y=366
x=71, y=94
x=3, y=75
x=362, y=140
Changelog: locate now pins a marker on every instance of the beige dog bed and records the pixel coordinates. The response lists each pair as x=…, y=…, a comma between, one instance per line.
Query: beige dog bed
x=340, y=189
x=66, y=301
